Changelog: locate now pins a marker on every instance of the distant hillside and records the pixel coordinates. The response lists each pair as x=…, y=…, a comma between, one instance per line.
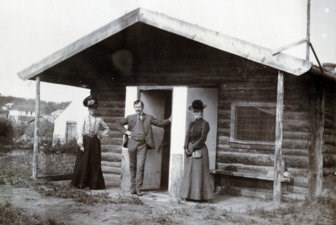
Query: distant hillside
x=46, y=107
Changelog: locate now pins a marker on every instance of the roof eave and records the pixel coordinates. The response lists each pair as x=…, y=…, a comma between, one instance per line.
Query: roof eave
x=281, y=61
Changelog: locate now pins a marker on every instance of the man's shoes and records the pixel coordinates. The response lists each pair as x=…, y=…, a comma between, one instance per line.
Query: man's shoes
x=139, y=193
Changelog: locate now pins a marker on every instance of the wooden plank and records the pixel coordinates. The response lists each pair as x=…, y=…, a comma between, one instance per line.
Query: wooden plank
x=36, y=128
x=251, y=175
x=278, y=162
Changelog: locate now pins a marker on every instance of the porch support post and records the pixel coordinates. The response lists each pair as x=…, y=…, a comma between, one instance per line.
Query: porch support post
x=315, y=183
x=278, y=165
x=320, y=104
x=36, y=128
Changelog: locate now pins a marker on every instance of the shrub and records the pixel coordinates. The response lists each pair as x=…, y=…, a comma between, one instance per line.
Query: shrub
x=6, y=131
x=69, y=147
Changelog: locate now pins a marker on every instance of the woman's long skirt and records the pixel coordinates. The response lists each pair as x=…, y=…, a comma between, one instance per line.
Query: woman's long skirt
x=88, y=172
x=196, y=183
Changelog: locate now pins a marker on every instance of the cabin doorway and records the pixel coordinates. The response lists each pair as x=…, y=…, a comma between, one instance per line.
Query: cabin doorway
x=158, y=103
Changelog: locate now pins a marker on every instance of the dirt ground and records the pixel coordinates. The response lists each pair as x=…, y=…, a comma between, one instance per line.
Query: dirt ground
x=51, y=200
x=158, y=208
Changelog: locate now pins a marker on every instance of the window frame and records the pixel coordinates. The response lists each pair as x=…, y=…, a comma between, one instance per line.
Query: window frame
x=234, y=105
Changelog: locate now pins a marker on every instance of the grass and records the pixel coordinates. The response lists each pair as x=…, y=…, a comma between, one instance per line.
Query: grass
x=16, y=216
x=16, y=171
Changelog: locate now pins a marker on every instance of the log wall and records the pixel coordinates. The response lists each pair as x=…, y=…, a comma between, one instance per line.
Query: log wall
x=329, y=148
x=111, y=107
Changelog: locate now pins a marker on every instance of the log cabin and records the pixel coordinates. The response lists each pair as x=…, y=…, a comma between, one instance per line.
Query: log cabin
x=272, y=115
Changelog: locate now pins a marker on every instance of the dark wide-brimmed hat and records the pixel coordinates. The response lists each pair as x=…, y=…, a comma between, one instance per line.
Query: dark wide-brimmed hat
x=197, y=105
x=90, y=102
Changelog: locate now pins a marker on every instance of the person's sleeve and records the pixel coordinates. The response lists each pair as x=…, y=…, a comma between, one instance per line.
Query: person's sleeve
x=80, y=134
x=120, y=125
x=186, y=141
x=159, y=123
x=204, y=133
x=106, y=128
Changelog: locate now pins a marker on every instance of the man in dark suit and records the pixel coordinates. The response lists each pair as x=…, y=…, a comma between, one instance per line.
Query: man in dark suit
x=140, y=139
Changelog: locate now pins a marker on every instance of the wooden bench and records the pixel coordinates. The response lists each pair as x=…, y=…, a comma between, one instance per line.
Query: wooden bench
x=251, y=175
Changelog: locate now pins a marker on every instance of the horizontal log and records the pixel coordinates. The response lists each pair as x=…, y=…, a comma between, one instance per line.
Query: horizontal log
x=109, y=156
x=111, y=148
x=223, y=131
x=111, y=164
x=111, y=170
x=296, y=115
x=298, y=172
x=298, y=152
x=246, y=158
x=329, y=160
x=330, y=139
x=113, y=140
x=296, y=161
x=113, y=104
x=301, y=181
x=295, y=144
x=236, y=145
x=288, y=123
x=112, y=179
x=296, y=135
x=330, y=149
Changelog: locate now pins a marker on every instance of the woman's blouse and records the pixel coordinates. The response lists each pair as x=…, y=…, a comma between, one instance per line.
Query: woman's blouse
x=92, y=127
x=197, y=133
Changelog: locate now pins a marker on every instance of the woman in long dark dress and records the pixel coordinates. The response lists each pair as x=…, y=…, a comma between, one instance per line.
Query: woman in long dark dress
x=88, y=172
x=196, y=183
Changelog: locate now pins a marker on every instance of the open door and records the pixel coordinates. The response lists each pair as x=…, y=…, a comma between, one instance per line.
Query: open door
x=158, y=104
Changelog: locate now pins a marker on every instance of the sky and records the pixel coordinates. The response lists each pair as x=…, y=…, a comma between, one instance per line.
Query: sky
x=32, y=30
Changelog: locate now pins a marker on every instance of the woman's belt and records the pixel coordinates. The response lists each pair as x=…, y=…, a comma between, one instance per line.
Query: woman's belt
x=90, y=135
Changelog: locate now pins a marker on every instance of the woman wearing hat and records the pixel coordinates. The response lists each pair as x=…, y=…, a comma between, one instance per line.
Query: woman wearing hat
x=88, y=172
x=196, y=183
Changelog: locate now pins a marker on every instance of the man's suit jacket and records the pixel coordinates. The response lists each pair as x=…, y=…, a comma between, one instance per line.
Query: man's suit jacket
x=147, y=120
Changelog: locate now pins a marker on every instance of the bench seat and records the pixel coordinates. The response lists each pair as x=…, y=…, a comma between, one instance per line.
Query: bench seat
x=252, y=175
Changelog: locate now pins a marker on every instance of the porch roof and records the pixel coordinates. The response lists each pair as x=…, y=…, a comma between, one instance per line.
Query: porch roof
x=243, y=49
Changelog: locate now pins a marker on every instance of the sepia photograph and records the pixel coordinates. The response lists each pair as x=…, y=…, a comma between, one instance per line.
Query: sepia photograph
x=157, y=112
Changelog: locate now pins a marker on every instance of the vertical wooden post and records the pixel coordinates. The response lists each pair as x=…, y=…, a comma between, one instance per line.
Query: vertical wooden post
x=308, y=30
x=315, y=183
x=278, y=170
x=36, y=127
x=319, y=140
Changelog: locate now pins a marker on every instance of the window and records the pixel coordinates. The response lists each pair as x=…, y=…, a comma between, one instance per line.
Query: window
x=253, y=122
